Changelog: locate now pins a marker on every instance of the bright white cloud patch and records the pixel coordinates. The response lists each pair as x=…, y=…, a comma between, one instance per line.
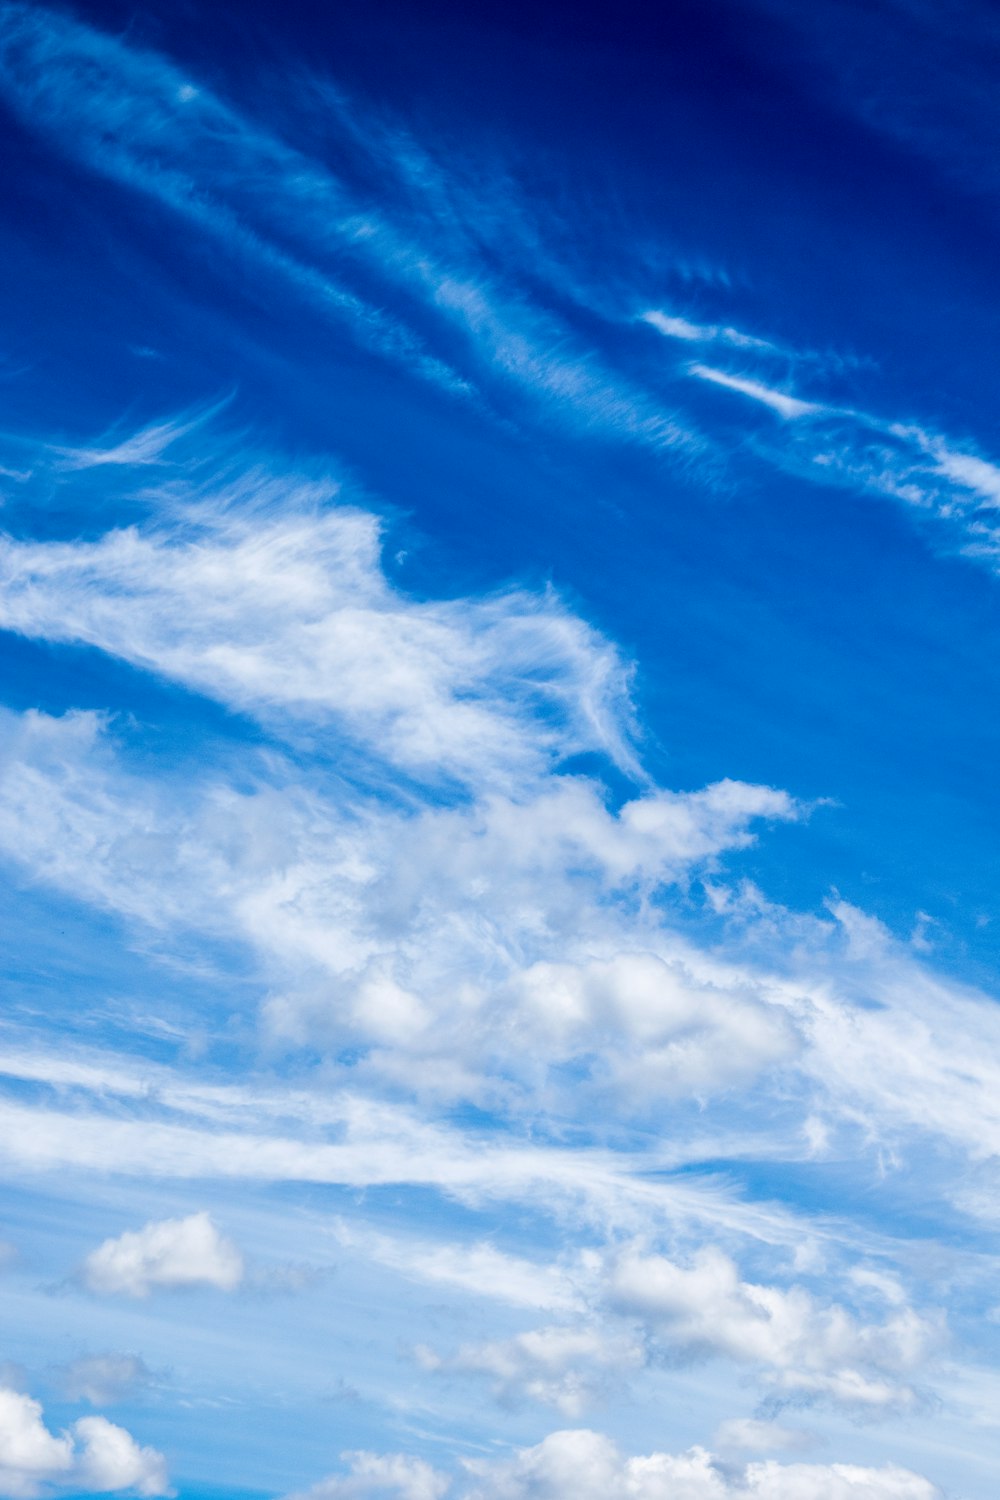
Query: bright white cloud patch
x=171, y=1254
x=93, y=1456
x=588, y=1466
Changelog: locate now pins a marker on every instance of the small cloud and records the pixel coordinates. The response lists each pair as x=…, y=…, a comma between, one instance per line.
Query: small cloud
x=170, y=1253
x=677, y=328
x=705, y=333
x=785, y=405
x=920, y=937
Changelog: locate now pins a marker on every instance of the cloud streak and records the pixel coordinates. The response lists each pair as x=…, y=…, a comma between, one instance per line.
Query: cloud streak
x=134, y=117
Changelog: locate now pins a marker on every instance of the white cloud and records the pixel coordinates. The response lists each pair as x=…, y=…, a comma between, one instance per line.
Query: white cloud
x=968, y=470
x=785, y=405
x=111, y=1460
x=943, y=1038
x=406, y=925
x=924, y=471
x=802, y=1345
x=673, y=327
x=147, y=446
x=76, y=84
x=505, y=942
x=280, y=612
x=418, y=931
x=677, y=328
x=380, y=1144
x=393, y=1476
x=589, y=1466
x=171, y=1253
x=485, y=942
x=93, y=1455
x=662, y=1033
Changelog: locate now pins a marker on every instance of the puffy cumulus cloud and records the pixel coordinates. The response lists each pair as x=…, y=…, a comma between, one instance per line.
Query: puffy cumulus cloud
x=802, y=1345
x=568, y=1368
x=498, y=939
x=375, y=1476
x=588, y=1466
x=93, y=1456
x=103, y=1379
x=111, y=1460
x=170, y=1253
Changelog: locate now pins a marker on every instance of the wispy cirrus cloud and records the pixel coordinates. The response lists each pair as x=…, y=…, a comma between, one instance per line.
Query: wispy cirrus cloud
x=785, y=405
x=136, y=118
x=830, y=443
x=259, y=589
x=675, y=326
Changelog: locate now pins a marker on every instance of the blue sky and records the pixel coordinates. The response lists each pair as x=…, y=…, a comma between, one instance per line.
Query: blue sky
x=498, y=582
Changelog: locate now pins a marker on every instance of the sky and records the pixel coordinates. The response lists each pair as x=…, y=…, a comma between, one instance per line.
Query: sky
x=499, y=556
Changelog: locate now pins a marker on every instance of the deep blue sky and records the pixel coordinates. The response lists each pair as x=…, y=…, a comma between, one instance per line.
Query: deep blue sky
x=679, y=323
